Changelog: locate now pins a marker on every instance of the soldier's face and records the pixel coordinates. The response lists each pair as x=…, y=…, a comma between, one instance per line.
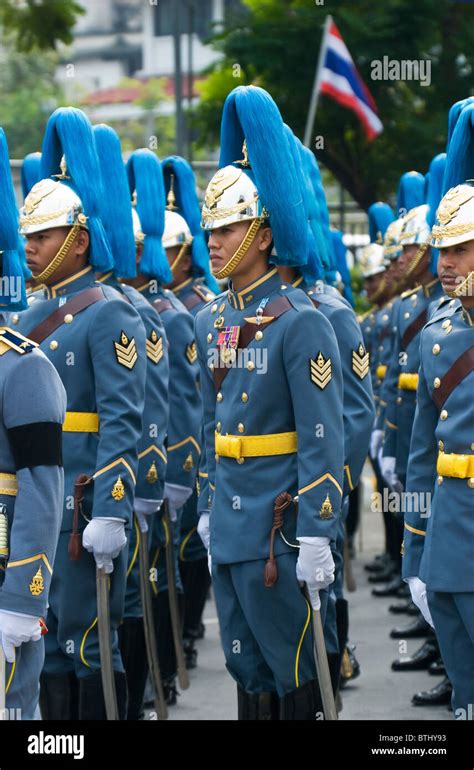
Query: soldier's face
x=43, y=246
x=224, y=242
x=455, y=263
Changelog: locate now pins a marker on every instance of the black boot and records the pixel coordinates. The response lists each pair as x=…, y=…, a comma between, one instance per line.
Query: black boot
x=303, y=703
x=383, y=576
x=257, y=705
x=196, y=581
x=170, y=691
x=59, y=696
x=391, y=588
x=420, y=660
x=190, y=653
x=415, y=630
x=134, y=656
x=437, y=668
x=437, y=696
x=350, y=667
x=91, y=696
x=164, y=636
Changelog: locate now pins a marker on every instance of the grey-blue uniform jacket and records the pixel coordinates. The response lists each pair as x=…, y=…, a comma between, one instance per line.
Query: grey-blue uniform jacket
x=401, y=380
x=439, y=548
x=97, y=353
x=152, y=444
x=32, y=408
x=185, y=412
x=385, y=331
x=359, y=410
x=283, y=391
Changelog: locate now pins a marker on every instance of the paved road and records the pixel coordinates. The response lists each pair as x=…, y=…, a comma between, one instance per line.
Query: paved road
x=378, y=693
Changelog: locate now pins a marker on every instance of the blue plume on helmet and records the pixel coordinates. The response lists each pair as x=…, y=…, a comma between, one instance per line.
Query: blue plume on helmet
x=12, y=291
x=433, y=197
x=313, y=268
x=380, y=216
x=116, y=210
x=69, y=133
x=322, y=215
x=145, y=177
x=250, y=114
x=460, y=159
x=187, y=203
x=454, y=114
x=411, y=192
x=340, y=252
x=30, y=171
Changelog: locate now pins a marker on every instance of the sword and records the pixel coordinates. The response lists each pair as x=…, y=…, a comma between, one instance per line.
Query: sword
x=321, y=661
x=3, y=696
x=105, y=644
x=183, y=676
x=149, y=627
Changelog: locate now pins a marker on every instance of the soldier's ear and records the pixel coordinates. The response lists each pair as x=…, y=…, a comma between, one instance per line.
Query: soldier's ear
x=82, y=242
x=266, y=238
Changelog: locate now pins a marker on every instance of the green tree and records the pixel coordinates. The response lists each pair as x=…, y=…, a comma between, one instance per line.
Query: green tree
x=29, y=95
x=275, y=44
x=39, y=24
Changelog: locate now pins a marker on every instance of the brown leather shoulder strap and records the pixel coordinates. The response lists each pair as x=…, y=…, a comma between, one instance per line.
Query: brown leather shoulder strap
x=415, y=327
x=161, y=305
x=247, y=332
x=463, y=366
x=73, y=306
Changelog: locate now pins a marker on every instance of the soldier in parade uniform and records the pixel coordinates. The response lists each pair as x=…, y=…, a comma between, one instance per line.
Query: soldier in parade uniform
x=118, y=221
x=359, y=410
x=438, y=543
x=272, y=384
x=194, y=285
x=95, y=340
x=185, y=412
x=32, y=408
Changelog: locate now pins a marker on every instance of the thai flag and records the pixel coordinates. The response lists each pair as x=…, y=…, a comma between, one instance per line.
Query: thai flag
x=340, y=79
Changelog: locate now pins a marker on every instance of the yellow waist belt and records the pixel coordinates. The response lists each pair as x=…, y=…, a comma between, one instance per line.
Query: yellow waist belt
x=8, y=484
x=381, y=371
x=408, y=381
x=455, y=466
x=81, y=422
x=255, y=446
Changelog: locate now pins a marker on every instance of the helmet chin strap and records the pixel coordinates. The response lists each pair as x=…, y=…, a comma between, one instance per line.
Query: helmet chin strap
x=249, y=237
x=59, y=258
x=178, y=259
x=415, y=262
x=466, y=288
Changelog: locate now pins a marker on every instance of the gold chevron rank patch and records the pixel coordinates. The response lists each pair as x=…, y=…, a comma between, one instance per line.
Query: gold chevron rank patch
x=191, y=353
x=360, y=361
x=126, y=351
x=154, y=347
x=320, y=370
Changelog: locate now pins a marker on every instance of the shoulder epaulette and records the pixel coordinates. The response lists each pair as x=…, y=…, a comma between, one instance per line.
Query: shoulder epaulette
x=203, y=292
x=361, y=318
x=409, y=292
x=12, y=340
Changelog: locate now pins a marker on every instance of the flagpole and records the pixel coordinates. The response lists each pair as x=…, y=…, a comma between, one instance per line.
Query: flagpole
x=317, y=82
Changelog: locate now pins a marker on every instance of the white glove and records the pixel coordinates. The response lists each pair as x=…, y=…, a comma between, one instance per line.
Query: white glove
x=15, y=629
x=375, y=443
x=315, y=566
x=144, y=508
x=387, y=467
x=204, y=530
x=177, y=496
x=209, y=562
x=105, y=537
x=418, y=595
